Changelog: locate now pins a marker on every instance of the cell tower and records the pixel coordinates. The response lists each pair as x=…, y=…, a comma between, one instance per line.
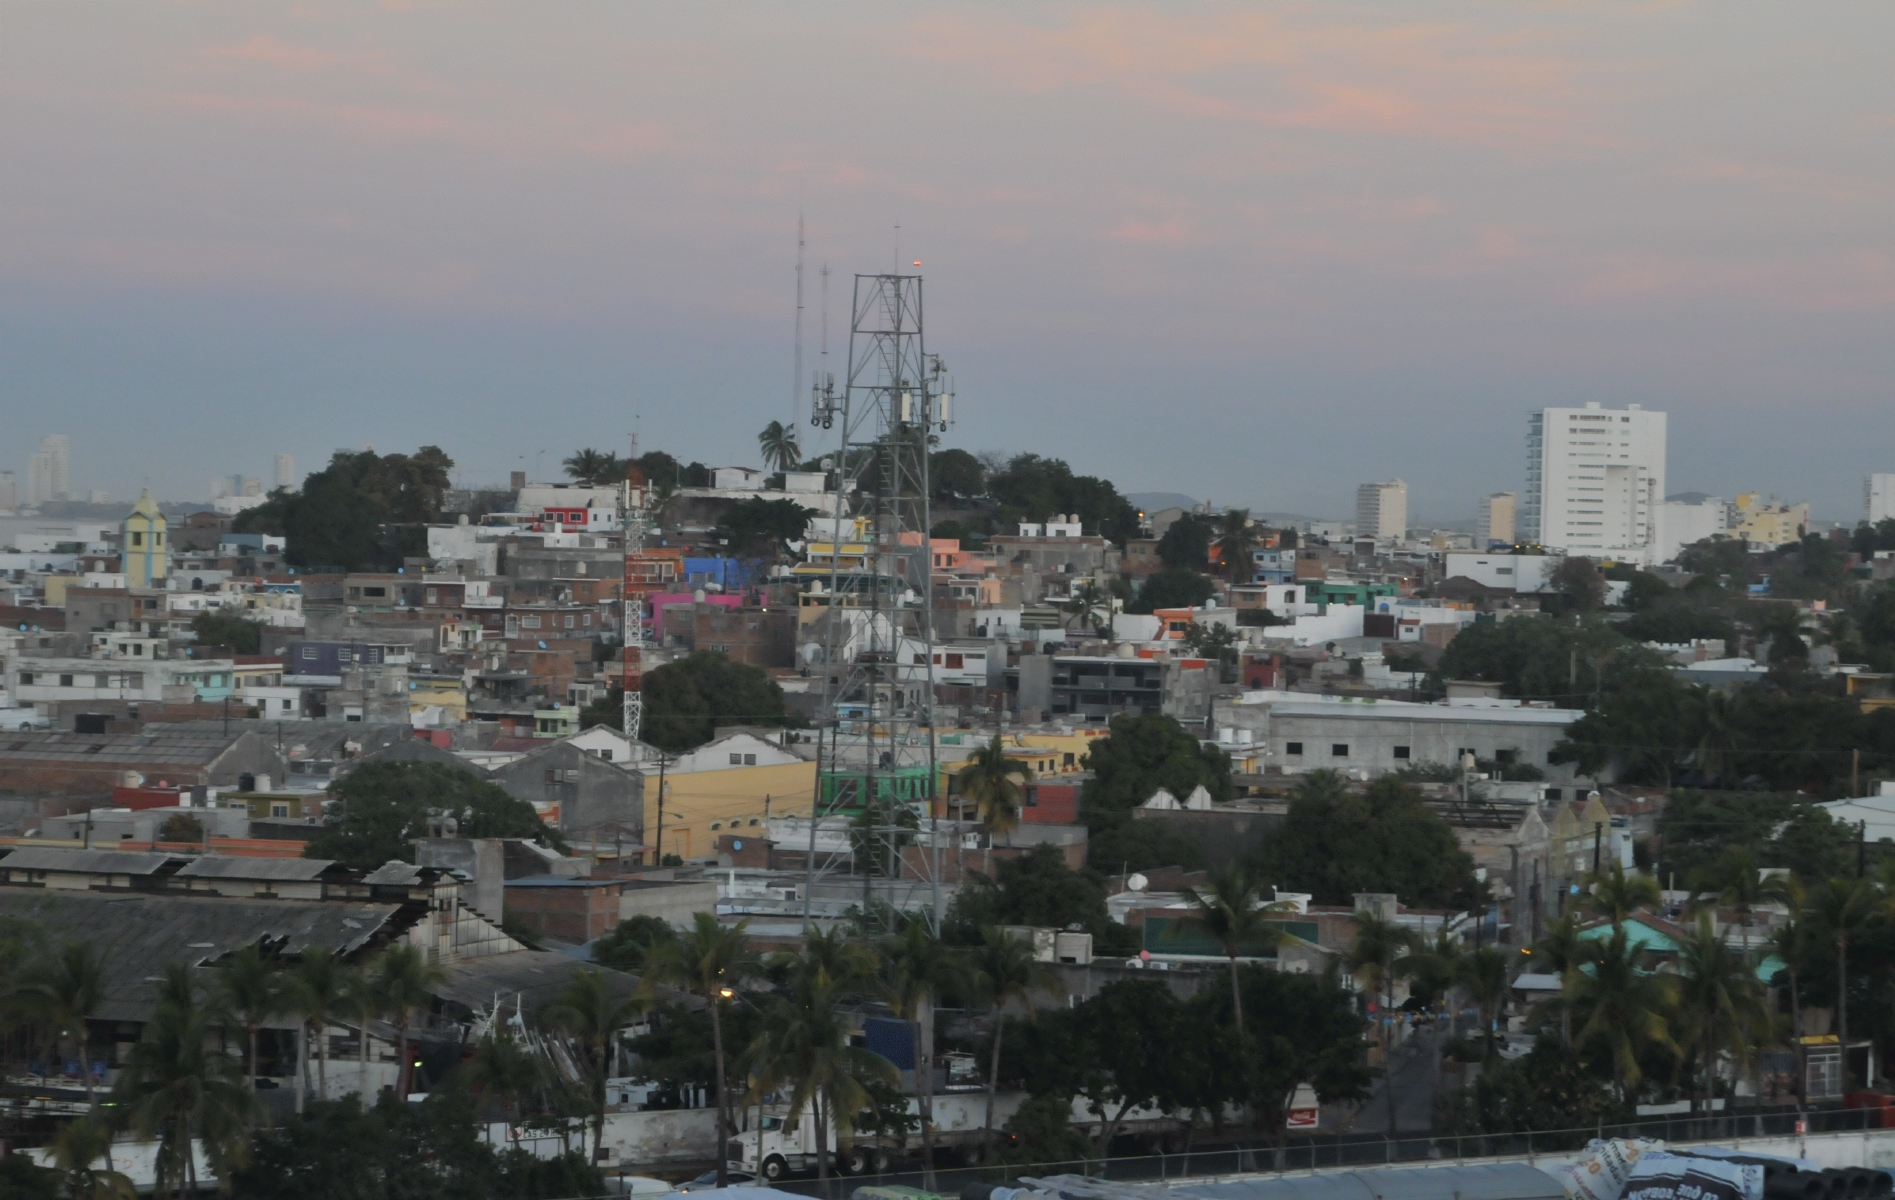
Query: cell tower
x=878, y=766
x=632, y=600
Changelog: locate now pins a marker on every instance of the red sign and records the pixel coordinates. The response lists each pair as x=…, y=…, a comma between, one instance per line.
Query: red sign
x=1303, y=1118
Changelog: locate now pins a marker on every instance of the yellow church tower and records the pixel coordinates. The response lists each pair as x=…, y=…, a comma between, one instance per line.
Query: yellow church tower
x=142, y=546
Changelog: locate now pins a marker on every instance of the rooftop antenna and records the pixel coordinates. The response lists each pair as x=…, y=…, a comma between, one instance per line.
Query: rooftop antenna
x=796, y=374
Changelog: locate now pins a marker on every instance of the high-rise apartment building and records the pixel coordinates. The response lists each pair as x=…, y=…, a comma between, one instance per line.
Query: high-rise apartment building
x=1381, y=510
x=1595, y=479
x=1496, y=520
x=285, y=471
x=9, y=492
x=46, y=470
x=1878, y=498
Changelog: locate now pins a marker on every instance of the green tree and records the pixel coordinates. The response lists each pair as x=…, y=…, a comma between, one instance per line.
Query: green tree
x=1547, y=1088
x=1736, y=882
x=78, y=1145
x=1001, y=970
x=1374, y=957
x=686, y=699
x=632, y=942
x=1175, y=587
x=1036, y=888
x=1843, y=911
x=386, y=806
x=505, y=1070
x=779, y=446
x=1032, y=488
x=955, y=475
x=595, y=467
x=1336, y=842
x=1304, y=1029
x=250, y=989
x=177, y=1087
x=337, y=519
x=220, y=627
x=1186, y=545
x=1717, y=994
x=708, y=961
x=760, y=529
x=1483, y=973
x=317, y=990
x=403, y=982
x=1229, y=909
x=64, y=991
x=1616, y=895
x=593, y=1011
x=920, y=967
x=1236, y=538
x=1560, y=952
x=996, y=784
x=1623, y=1004
x=1577, y=578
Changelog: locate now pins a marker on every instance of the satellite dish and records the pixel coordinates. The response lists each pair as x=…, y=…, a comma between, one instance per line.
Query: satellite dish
x=1137, y=882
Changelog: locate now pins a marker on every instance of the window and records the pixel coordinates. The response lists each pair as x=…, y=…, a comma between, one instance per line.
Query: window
x=309, y=652
x=375, y=591
x=279, y=810
x=286, y=705
x=532, y=622
x=1401, y=752
x=736, y=760
x=1295, y=748
x=569, y=621
x=65, y=681
x=26, y=678
x=955, y=662
x=1339, y=750
x=552, y=774
x=1552, y=793
x=750, y=760
x=138, y=539
x=434, y=595
x=99, y=681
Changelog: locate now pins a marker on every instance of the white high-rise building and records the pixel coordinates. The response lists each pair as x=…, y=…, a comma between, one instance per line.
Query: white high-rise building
x=1595, y=479
x=285, y=471
x=9, y=493
x=1878, y=498
x=1496, y=520
x=1381, y=510
x=46, y=470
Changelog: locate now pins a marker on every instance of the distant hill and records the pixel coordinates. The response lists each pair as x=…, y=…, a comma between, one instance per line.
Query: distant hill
x=1152, y=502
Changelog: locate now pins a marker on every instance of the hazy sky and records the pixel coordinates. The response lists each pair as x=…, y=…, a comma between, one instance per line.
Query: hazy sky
x=1256, y=253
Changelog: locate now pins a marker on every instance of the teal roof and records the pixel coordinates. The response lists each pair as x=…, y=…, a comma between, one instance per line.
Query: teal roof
x=1768, y=968
x=1639, y=934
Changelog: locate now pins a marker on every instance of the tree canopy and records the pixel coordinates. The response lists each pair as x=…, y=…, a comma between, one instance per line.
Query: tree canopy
x=338, y=518
x=222, y=627
x=685, y=700
x=1186, y=545
x=1032, y=488
x=1037, y=888
x=1177, y=587
x=1337, y=841
x=758, y=528
x=955, y=475
x=385, y=806
x=1143, y=754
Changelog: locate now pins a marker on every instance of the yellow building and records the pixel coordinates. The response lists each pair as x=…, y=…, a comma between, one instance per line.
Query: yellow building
x=1767, y=522
x=738, y=781
x=142, y=547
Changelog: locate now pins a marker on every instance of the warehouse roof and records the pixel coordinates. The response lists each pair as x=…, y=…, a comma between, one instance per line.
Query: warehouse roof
x=88, y=862
x=226, y=866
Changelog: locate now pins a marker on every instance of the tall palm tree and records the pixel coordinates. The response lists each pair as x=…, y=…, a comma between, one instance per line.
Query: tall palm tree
x=1230, y=909
x=78, y=1146
x=359, y=1001
x=1084, y=604
x=588, y=1010
x=1624, y=1002
x=594, y=467
x=1734, y=881
x=66, y=990
x=1717, y=992
x=1373, y=958
x=1560, y=952
x=177, y=1087
x=1235, y=538
x=1001, y=969
x=807, y=1047
x=1617, y=895
x=508, y=1070
x=920, y=967
x=1483, y=973
x=780, y=449
x=708, y=960
x=1790, y=941
x=317, y=990
x=403, y=982
x=997, y=786
x=249, y=988
x=1718, y=734
x=1843, y=910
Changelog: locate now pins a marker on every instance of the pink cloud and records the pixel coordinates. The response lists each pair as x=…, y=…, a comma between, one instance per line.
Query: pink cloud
x=1162, y=233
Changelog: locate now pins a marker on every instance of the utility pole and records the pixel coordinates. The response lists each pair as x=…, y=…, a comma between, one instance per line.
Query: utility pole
x=1598, y=839
x=658, y=851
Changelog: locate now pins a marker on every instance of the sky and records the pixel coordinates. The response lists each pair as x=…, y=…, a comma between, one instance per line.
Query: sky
x=1253, y=253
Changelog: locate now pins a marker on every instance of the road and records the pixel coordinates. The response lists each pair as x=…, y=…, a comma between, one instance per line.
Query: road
x=1416, y=1077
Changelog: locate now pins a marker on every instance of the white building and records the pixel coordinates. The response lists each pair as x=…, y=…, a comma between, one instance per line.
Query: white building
x=1595, y=477
x=1496, y=520
x=1381, y=510
x=46, y=470
x=1878, y=498
x=285, y=471
x=1687, y=520
x=1521, y=572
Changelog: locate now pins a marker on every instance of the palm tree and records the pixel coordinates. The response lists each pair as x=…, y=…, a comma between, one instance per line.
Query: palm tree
x=807, y=1046
x=317, y=990
x=360, y=1001
x=505, y=1068
x=920, y=967
x=1843, y=909
x=252, y=991
x=177, y=1088
x=1717, y=991
x=997, y=786
x=1484, y=974
x=1378, y=946
x=1001, y=969
x=594, y=467
x=779, y=446
x=1789, y=942
x=1717, y=747
x=1321, y=786
x=1438, y=966
x=1229, y=908
x=709, y=961
x=1618, y=895
x=78, y=1146
x=1624, y=1003
x=403, y=981
x=589, y=1011
x=1562, y=950
x=1235, y=538
x=1084, y=604
x=1735, y=882
x=67, y=990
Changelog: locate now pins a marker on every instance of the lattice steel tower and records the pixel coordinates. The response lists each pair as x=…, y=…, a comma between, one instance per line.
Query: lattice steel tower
x=878, y=764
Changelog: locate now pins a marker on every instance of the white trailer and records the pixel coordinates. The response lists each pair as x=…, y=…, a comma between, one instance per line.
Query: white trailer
x=775, y=1148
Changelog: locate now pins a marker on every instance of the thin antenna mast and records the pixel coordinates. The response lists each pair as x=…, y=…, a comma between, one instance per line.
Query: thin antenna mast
x=632, y=603
x=796, y=375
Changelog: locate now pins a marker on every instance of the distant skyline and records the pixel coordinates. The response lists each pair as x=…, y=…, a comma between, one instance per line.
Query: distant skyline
x=1258, y=254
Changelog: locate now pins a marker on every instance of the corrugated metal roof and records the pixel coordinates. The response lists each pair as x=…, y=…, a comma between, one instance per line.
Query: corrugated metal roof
x=94, y=862
x=535, y=976
x=138, y=934
x=393, y=873
x=227, y=866
x=154, y=745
